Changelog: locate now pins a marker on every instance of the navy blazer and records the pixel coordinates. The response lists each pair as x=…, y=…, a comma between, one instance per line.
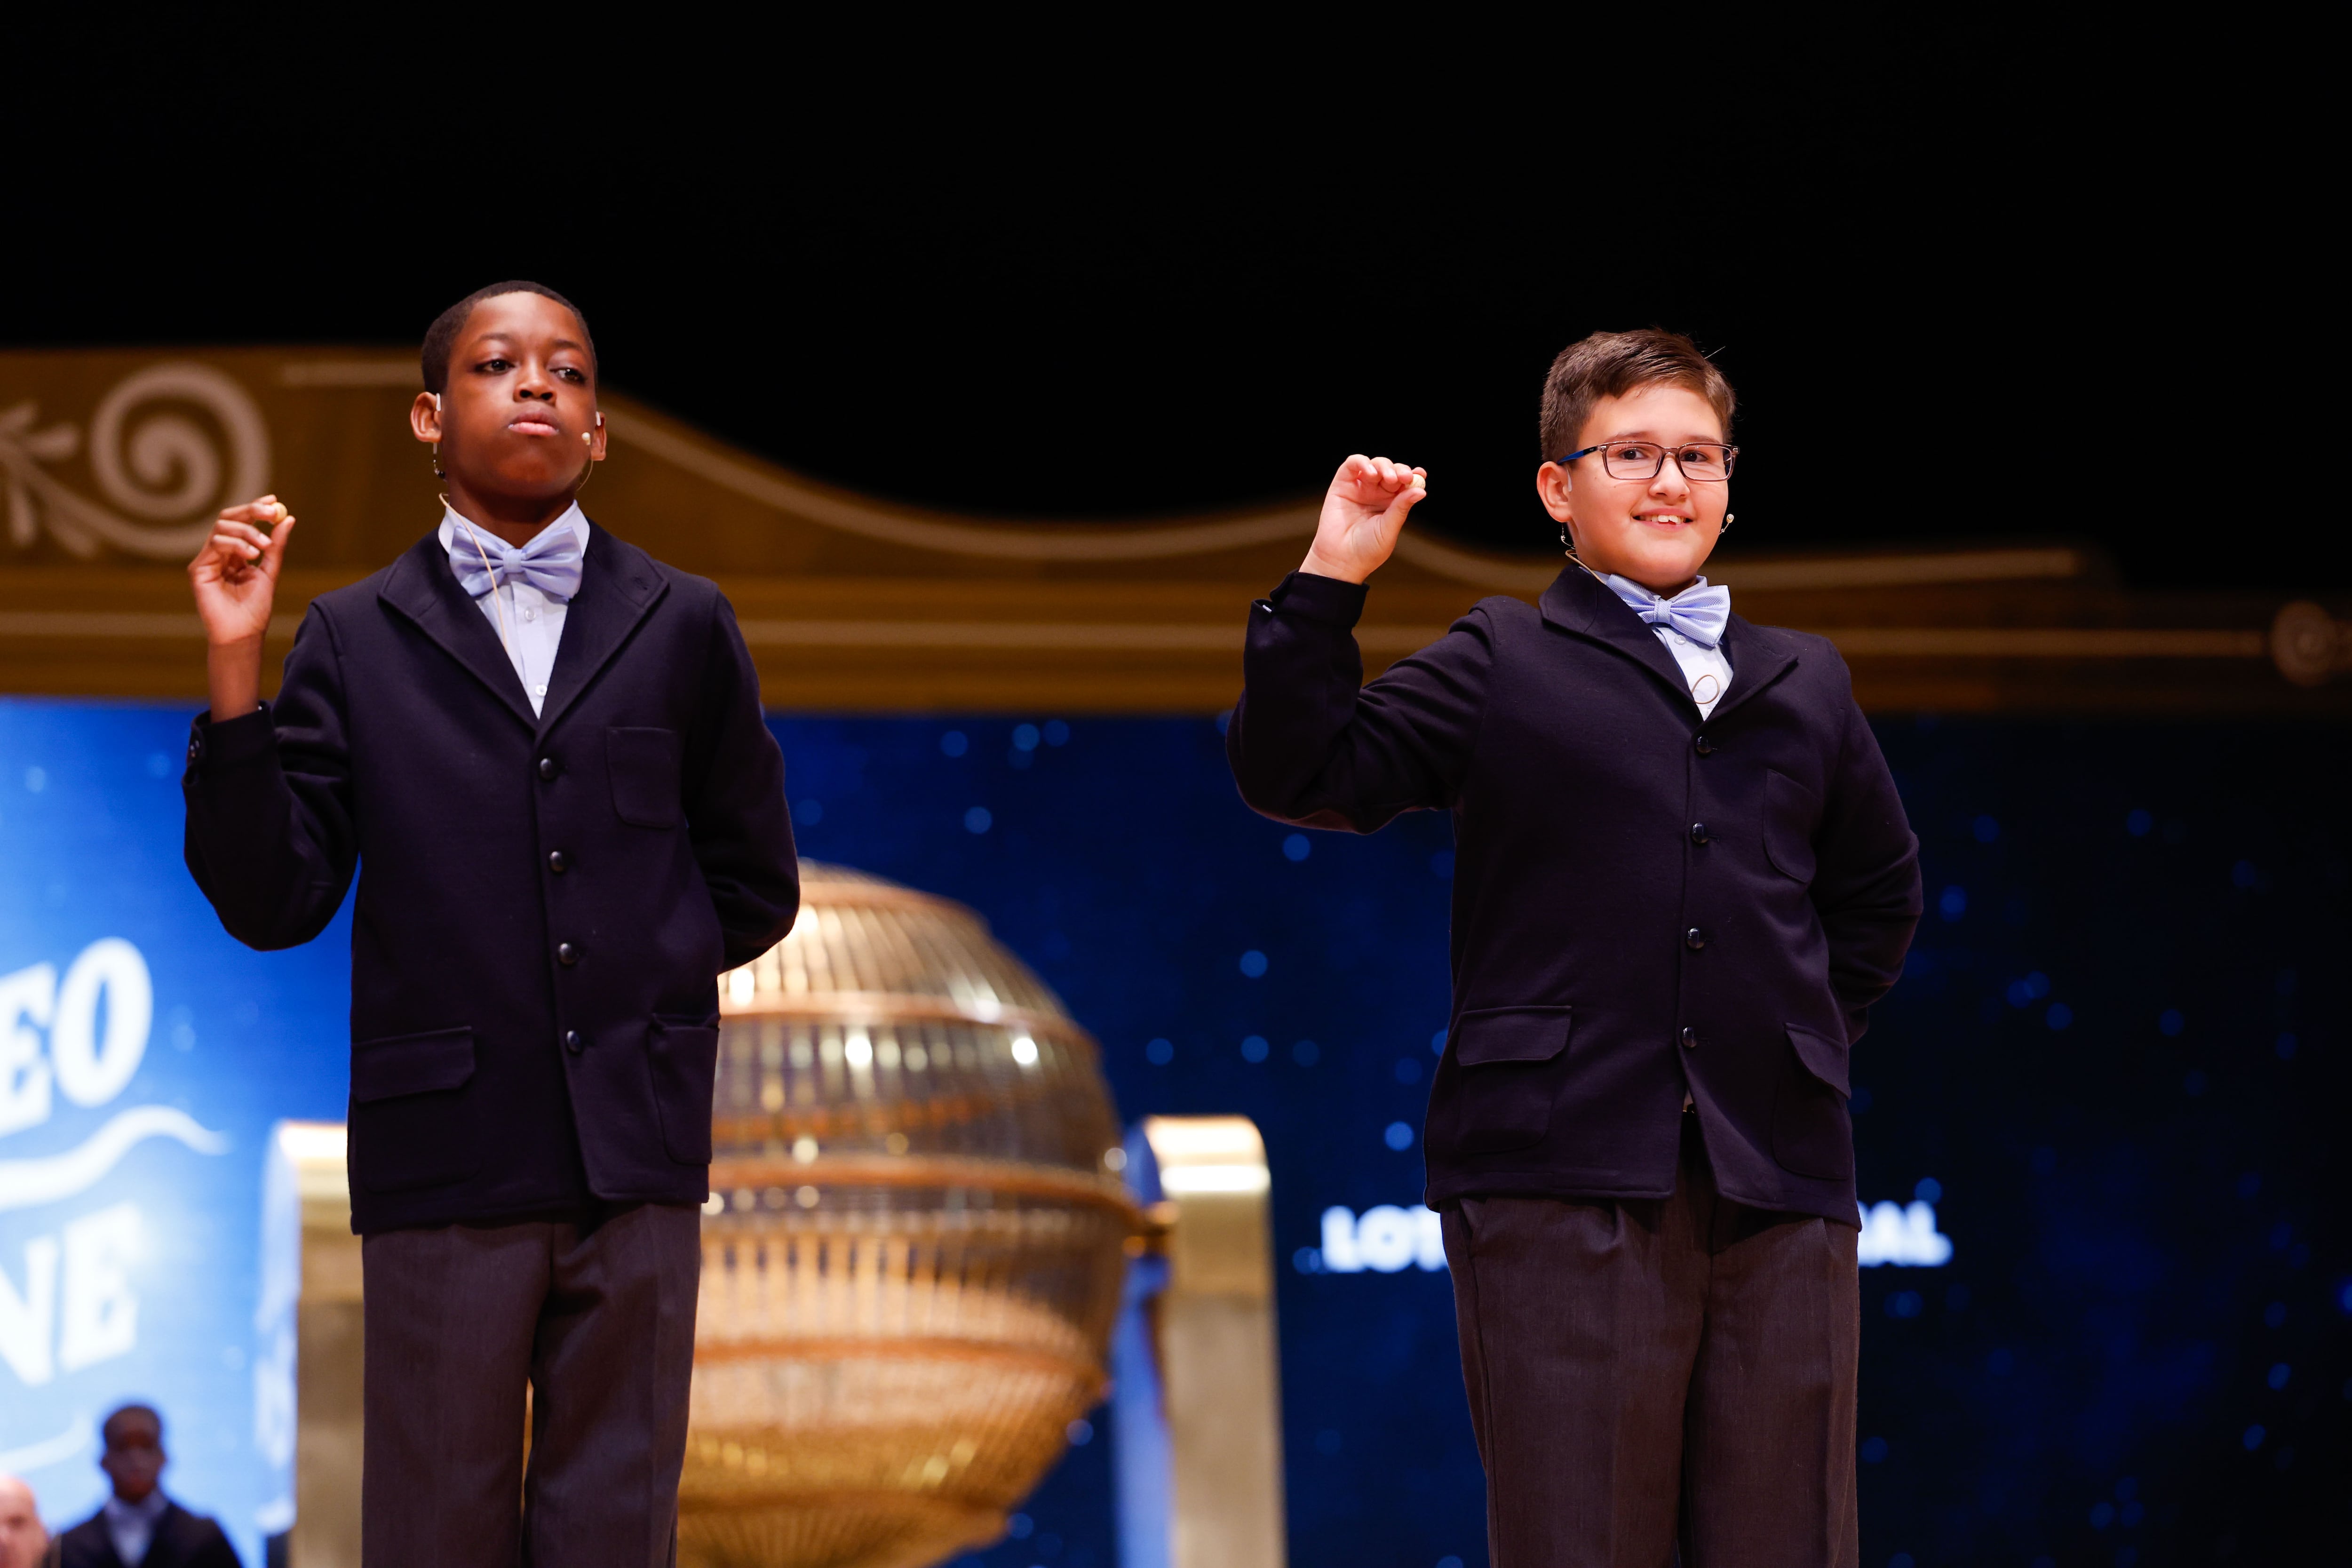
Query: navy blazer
x=182, y=1539
x=1644, y=903
x=544, y=902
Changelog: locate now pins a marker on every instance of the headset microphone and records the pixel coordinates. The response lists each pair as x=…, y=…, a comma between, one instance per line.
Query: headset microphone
x=588, y=439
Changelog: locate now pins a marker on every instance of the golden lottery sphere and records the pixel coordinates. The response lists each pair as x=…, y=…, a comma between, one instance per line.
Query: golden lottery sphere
x=912, y=1256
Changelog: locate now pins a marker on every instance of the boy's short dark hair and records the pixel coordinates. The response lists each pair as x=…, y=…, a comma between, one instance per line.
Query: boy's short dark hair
x=1610, y=365
x=441, y=337
x=106, y=1427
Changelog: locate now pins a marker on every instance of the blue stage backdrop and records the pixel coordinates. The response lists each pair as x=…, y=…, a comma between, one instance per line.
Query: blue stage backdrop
x=144, y=1055
x=2109, y=1324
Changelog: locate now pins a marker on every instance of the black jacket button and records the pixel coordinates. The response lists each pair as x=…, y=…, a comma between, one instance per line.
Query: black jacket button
x=1693, y=939
x=567, y=955
x=572, y=1041
x=1705, y=747
x=1690, y=1040
x=1698, y=832
x=547, y=767
x=556, y=862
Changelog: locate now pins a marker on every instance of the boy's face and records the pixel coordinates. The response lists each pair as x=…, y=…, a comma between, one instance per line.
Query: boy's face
x=1656, y=531
x=134, y=1459
x=518, y=418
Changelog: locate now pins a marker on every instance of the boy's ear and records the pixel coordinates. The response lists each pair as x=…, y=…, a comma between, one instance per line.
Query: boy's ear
x=425, y=417
x=1554, y=487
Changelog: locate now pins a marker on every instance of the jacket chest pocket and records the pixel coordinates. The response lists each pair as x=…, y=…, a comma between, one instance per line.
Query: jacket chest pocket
x=1791, y=812
x=644, y=764
x=1507, y=1093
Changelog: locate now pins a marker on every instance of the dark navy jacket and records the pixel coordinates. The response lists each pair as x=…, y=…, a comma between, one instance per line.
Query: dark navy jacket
x=1644, y=903
x=182, y=1539
x=544, y=903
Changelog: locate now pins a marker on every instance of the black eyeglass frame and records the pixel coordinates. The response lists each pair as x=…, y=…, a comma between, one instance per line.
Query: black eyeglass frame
x=1730, y=458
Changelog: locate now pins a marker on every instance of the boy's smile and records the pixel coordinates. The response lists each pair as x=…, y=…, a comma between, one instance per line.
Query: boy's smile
x=517, y=429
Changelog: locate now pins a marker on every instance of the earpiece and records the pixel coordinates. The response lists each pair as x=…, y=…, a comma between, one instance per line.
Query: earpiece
x=588, y=439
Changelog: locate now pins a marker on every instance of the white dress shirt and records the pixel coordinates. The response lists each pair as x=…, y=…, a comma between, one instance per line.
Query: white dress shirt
x=131, y=1525
x=1706, y=669
x=528, y=623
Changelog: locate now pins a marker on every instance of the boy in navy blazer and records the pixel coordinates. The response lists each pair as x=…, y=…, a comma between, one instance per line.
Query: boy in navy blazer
x=1682, y=879
x=544, y=752
x=138, y=1526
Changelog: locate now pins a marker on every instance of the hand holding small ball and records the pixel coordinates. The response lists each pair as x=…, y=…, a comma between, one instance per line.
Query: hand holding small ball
x=235, y=578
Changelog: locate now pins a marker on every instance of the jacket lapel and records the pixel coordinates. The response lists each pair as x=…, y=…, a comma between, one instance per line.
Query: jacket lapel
x=1760, y=656
x=421, y=586
x=1577, y=603
x=170, y=1547
x=619, y=583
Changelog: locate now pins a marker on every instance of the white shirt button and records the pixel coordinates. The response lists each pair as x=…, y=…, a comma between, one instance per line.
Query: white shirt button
x=530, y=614
x=538, y=690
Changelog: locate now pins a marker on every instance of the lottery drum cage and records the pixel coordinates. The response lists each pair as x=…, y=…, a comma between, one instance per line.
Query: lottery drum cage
x=912, y=1257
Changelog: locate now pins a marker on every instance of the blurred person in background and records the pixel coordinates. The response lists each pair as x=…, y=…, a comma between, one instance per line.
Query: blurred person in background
x=140, y=1527
x=24, y=1543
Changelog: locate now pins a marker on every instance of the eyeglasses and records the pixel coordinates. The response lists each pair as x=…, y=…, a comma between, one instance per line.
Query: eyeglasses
x=1706, y=461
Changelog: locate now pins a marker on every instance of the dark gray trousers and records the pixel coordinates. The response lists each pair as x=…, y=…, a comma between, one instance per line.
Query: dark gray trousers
x=1644, y=1375
x=598, y=1321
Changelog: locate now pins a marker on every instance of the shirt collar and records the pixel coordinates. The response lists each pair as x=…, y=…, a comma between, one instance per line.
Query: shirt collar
x=1640, y=597
x=147, y=1510
x=571, y=517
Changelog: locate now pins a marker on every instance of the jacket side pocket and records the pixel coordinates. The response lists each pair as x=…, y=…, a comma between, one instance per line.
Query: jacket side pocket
x=1507, y=1086
x=411, y=1124
x=684, y=1060
x=1811, y=1133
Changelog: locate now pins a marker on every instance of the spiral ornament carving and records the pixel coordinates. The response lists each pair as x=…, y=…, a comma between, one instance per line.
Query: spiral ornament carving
x=2310, y=647
x=166, y=448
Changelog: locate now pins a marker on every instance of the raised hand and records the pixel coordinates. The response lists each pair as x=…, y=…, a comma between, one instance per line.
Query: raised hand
x=235, y=578
x=1363, y=512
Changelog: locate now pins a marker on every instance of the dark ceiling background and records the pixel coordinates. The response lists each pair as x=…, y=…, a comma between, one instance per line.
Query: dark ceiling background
x=1974, y=282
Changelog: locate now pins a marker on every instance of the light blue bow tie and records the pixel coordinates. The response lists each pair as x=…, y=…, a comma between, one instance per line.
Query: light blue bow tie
x=550, y=562
x=1699, y=612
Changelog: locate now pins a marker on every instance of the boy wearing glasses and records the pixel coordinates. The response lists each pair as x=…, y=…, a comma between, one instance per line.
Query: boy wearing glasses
x=1683, y=876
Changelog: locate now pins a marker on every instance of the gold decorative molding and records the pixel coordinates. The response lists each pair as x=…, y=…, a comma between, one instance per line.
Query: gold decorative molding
x=2310, y=647
x=112, y=461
